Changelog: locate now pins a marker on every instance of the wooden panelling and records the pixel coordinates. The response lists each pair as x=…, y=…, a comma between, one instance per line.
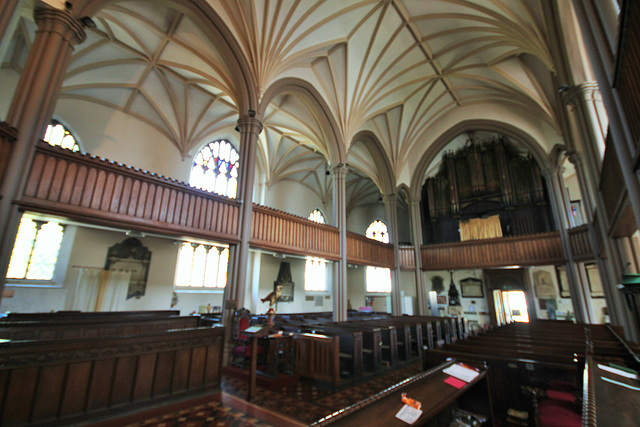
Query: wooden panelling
x=49, y=382
x=8, y=135
x=364, y=251
x=96, y=190
x=610, y=179
x=318, y=357
x=275, y=230
x=536, y=249
x=628, y=67
x=580, y=244
x=407, y=258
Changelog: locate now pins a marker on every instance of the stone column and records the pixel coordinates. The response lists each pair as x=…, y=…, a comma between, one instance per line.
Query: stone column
x=390, y=204
x=8, y=21
x=249, y=128
x=31, y=110
x=601, y=56
x=555, y=184
x=416, y=237
x=339, y=290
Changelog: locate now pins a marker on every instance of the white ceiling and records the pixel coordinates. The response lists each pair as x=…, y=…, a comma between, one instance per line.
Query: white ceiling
x=404, y=71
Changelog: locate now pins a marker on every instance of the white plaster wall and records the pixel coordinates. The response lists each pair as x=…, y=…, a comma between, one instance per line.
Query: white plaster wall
x=361, y=217
x=292, y=197
x=356, y=286
x=408, y=289
x=474, y=309
x=269, y=268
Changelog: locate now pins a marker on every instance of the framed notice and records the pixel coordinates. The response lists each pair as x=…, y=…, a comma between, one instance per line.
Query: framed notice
x=563, y=284
x=595, y=284
x=131, y=256
x=471, y=288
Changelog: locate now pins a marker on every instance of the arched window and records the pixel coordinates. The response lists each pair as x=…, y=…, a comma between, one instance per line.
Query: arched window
x=57, y=134
x=316, y=216
x=215, y=169
x=378, y=231
x=378, y=278
x=201, y=266
x=315, y=270
x=35, y=252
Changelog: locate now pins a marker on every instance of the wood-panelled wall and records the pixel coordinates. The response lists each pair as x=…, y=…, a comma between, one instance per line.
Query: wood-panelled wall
x=8, y=135
x=628, y=67
x=364, y=251
x=276, y=230
x=536, y=249
x=407, y=258
x=580, y=244
x=92, y=189
x=45, y=382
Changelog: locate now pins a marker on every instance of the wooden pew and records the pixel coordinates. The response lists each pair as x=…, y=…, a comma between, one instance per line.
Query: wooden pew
x=83, y=315
x=84, y=327
x=318, y=357
x=67, y=381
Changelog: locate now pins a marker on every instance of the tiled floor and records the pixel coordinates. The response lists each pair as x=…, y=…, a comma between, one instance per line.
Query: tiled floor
x=296, y=405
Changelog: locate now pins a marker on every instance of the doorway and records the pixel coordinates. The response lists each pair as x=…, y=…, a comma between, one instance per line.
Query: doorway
x=510, y=301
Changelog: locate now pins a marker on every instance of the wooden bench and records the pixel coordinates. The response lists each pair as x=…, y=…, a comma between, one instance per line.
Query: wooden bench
x=66, y=381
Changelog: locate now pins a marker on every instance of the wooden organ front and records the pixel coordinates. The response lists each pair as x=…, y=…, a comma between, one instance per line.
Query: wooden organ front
x=484, y=179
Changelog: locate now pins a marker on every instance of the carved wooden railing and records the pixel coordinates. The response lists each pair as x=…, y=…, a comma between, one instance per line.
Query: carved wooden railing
x=580, y=243
x=535, y=249
x=96, y=190
x=364, y=251
x=276, y=230
x=407, y=258
x=8, y=135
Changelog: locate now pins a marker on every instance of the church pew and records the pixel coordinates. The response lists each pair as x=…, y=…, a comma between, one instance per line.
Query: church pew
x=318, y=357
x=67, y=381
x=70, y=328
x=85, y=315
x=403, y=335
x=387, y=336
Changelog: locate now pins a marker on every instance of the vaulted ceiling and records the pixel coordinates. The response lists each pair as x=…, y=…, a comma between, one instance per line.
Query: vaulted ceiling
x=383, y=78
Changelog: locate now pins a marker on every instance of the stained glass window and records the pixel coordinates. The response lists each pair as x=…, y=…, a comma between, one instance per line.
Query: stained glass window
x=315, y=270
x=201, y=266
x=215, y=169
x=378, y=278
x=57, y=134
x=35, y=251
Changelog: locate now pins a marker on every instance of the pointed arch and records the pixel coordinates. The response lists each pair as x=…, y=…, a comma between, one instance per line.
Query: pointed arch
x=382, y=173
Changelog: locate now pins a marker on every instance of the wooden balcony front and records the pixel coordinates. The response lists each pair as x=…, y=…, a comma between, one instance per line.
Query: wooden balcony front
x=580, y=243
x=535, y=249
x=280, y=231
x=364, y=251
x=94, y=190
x=407, y=258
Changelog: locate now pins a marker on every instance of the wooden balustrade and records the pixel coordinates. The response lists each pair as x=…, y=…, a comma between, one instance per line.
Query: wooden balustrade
x=364, y=251
x=535, y=249
x=407, y=258
x=96, y=190
x=8, y=135
x=580, y=243
x=276, y=230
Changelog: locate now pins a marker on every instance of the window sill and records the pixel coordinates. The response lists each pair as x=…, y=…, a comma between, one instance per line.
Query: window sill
x=23, y=283
x=198, y=291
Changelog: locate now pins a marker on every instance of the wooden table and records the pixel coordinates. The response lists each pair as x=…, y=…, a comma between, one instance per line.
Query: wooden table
x=429, y=388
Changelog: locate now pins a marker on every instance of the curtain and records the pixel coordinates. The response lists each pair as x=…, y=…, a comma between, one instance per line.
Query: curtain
x=116, y=285
x=87, y=286
x=481, y=228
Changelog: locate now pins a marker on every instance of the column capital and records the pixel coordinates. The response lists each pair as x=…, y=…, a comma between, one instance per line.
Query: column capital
x=340, y=170
x=249, y=124
x=62, y=22
x=552, y=172
x=576, y=158
x=583, y=92
x=390, y=199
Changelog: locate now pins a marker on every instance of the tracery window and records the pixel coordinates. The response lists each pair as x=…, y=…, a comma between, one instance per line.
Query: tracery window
x=215, y=169
x=58, y=135
x=315, y=270
x=316, y=216
x=35, y=252
x=202, y=266
x=378, y=279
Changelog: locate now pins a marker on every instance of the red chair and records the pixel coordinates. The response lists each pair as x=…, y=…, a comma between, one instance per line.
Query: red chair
x=241, y=353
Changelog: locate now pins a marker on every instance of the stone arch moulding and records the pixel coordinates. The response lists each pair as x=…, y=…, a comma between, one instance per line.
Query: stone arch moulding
x=386, y=179
x=483, y=125
x=247, y=97
x=309, y=93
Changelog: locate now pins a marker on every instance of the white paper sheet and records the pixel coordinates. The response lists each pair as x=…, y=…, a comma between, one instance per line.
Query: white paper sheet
x=408, y=414
x=461, y=373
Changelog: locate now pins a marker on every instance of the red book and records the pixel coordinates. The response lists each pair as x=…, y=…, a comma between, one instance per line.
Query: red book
x=455, y=382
